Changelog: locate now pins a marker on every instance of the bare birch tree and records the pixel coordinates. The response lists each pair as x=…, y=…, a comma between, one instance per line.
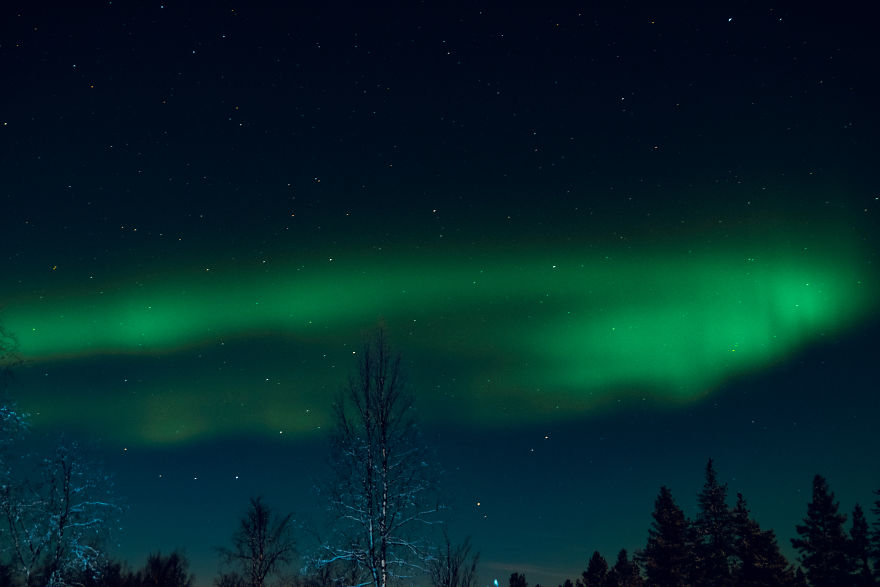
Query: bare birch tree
x=261, y=547
x=382, y=495
x=455, y=565
x=54, y=525
x=171, y=570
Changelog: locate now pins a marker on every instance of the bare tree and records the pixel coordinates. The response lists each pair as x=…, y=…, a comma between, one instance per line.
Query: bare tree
x=339, y=572
x=261, y=547
x=382, y=492
x=455, y=565
x=54, y=525
x=170, y=570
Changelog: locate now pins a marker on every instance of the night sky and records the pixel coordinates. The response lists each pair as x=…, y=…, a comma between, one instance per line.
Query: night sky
x=609, y=241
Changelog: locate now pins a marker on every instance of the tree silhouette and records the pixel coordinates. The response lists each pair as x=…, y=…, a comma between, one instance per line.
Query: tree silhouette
x=518, y=580
x=341, y=572
x=381, y=495
x=860, y=549
x=760, y=564
x=666, y=558
x=713, y=532
x=455, y=566
x=160, y=570
x=624, y=573
x=111, y=574
x=823, y=544
x=596, y=573
x=6, y=579
x=262, y=545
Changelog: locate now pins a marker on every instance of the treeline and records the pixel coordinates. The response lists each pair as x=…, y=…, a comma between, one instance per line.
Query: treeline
x=58, y=510
x=724, y=546
x=261, y=553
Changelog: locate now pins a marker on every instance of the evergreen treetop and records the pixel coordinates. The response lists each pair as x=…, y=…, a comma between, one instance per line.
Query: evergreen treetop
x=667, y=556
x=822, y=544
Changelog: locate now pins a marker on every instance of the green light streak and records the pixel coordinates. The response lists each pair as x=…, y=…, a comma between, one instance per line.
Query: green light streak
x=531, y=330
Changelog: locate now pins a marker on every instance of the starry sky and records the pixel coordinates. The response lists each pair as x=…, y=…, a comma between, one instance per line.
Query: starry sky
x=610, y=241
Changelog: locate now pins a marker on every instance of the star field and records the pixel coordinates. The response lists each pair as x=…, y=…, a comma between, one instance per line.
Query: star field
x=609, y=243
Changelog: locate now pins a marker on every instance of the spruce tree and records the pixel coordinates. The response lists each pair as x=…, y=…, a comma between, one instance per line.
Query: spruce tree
x=596, y=573
x=713, y=529
x=624, y=573
x=760, y=562
x=666, y=558
x=859, y=550
x=823, y=544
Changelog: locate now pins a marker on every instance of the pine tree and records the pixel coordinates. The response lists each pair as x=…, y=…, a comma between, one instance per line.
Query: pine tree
x=713, y=530
x=666, y=558
x=624, y=573
x=860, y=545
x=596, y=573
x=518, y=580
x=760, y=562
x=823, y=544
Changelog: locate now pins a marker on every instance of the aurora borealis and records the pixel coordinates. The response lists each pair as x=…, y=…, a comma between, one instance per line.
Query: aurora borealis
x=609, y=244
x=560, y=328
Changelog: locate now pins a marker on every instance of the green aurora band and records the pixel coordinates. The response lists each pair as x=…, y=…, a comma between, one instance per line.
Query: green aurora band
x=578, y=328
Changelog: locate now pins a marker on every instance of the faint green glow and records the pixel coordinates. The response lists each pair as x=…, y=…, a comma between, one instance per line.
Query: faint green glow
x=525, y=331
x=686, y=331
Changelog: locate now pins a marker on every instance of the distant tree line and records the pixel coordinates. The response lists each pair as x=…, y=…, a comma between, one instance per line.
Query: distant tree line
x=724, y=546
x=57, y=511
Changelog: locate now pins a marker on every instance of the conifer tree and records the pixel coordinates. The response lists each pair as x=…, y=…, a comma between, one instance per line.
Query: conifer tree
x=859, y=552
x=666, y=558
x=823, y=544
x=760, y=562
x=624, y=573
x=596, y=573
x=713, y=529
x=518, y=580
